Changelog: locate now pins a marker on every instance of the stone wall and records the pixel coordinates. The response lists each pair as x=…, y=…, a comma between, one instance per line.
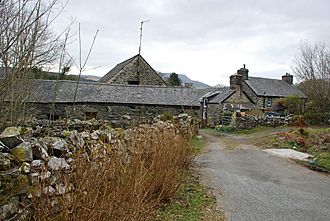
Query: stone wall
x=147, y=76
x=250, y=122
x=119, y=115
x=213, y=115
x=40, y=153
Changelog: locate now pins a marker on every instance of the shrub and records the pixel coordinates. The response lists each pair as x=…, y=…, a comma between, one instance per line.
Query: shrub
x=298, y=121
x=226, y=129
x=167, y=116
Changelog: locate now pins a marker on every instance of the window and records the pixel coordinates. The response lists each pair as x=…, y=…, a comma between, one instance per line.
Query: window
x=133, y=82
x=269, y=102
x=90, y=115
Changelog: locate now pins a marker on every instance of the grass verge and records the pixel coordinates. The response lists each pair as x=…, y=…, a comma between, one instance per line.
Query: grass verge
x=230, y=130
x=192, y=201
x=314, y=141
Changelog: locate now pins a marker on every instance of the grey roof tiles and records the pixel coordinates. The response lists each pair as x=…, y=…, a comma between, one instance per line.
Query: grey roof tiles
x=110, y=93
x=273, y=87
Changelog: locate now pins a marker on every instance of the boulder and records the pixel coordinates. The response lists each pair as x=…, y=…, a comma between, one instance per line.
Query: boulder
x=23, y=152
x=13, y=182
x=39, y=152
x=10, y=137
x=55, y=163
x=38, y=165
x=77, y=140
x=56, y=146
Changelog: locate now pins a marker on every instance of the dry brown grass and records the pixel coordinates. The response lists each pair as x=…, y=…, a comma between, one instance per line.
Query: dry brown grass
x=122, y=182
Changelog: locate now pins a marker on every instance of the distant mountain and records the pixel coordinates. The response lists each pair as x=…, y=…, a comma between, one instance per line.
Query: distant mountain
x=185, y=79
x=90, y=77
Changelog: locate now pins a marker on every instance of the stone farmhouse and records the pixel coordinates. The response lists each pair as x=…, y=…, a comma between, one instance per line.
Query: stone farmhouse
x=131, y=92
x=246, y=94
x=134, y=92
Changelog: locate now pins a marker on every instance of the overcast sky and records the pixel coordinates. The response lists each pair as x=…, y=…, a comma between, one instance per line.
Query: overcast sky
x=208, y=40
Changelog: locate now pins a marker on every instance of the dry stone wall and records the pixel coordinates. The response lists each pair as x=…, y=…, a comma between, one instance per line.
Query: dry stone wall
x=42, y=151
x=250, y=122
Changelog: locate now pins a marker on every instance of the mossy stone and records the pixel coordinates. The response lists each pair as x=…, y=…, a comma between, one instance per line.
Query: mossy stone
x=23, y=152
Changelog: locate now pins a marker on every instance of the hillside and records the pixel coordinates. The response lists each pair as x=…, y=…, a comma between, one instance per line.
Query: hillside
x=185, y=79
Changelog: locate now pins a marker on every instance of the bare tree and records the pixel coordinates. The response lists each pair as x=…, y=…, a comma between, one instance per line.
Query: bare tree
x=312, y=68
x=26, y=41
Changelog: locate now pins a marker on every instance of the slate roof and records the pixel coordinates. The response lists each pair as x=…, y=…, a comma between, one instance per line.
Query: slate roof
x=273, y=87
x=216, y=95
x=111, y=93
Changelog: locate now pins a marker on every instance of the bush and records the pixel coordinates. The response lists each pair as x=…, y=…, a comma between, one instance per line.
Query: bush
x=225, y=129
x=167, y=116
x=298, y=121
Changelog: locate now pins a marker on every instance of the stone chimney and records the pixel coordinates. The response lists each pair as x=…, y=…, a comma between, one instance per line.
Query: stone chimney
x=236, y=82
x=244, y=72
x=288, y=78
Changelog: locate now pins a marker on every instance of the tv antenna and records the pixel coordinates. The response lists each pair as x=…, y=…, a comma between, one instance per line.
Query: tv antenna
x=141, y=28
x=139, y=55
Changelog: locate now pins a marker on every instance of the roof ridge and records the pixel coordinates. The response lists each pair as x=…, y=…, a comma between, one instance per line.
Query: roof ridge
x=265, y=78
x=112, y=84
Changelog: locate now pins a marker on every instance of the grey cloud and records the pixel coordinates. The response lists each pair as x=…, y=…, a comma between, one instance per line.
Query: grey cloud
x=276, y=26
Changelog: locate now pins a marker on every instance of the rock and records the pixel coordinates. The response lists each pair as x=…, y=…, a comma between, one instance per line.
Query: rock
x=84, y=134
x=61, y=189
x=11, y=132
x=56, y=146
x=69, y=160
x=23, y=152
x=60, y=145
x=38, y=177
x=55, y=163
x=66, y=133
x=3, y=147
x=11, y=137
x=77, y=140
x=53, y=180
x=5, y=161
x=13, y=182
x=39, y=152
x=26, y=132
x=68, y=155
x=96, y=134
x=127, y=117
x=38, y=165
x=49, y=190
x=9, y=209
